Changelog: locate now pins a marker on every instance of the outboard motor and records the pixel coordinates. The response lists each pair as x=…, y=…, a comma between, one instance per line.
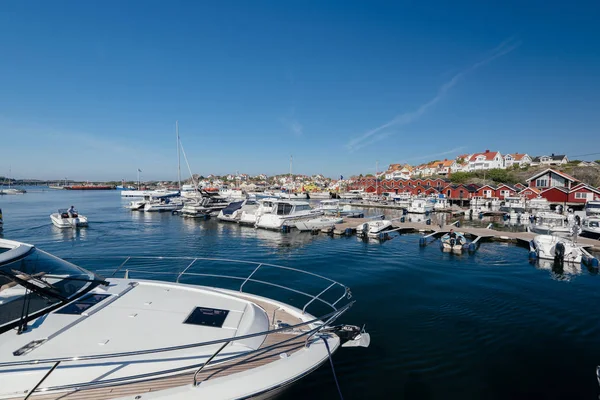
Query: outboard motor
x=531, y=218
x=559, y=252
x=578, y=220
x=452, y=242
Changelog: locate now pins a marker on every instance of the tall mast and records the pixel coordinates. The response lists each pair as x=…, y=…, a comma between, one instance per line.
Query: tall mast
x=291, y=178
x=178, y=156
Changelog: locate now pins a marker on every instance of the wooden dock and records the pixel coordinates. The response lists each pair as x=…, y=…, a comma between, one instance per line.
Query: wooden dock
x=348, y=227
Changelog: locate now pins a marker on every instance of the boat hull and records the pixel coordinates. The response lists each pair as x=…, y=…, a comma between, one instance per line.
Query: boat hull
x=63, y=223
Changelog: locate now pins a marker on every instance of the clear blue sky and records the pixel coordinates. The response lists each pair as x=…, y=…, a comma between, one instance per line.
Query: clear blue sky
x=92, y=89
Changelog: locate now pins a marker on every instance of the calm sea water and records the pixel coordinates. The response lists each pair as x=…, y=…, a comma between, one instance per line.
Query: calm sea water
x=482, y=326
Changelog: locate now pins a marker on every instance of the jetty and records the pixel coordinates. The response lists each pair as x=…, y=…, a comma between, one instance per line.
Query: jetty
x=431, y=230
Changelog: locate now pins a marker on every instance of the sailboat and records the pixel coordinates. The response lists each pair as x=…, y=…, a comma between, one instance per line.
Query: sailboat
x=11, y=190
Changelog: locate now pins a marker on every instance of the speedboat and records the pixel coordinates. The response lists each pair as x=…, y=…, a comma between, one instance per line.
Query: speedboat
x=138, y=205
x=64, y=219
x=550, y=223
x=163, y=204
x=592, y=208
x=318, y=223
x=373, y=228
x=251, y=214
x=85, y=336
x=12, y=191
x=454, y=244
x=590, y=227
x=287, y=212
x=420, y=205
x=233, y=212
x=559, y=249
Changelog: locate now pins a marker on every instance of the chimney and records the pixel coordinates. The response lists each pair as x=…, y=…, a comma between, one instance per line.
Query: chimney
x=487, y=151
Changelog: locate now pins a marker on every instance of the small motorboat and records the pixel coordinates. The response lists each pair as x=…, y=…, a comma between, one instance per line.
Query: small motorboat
x=559, y=249
x=455, y=244
x=373, y=228
x=318, y=223
x=165, y=204
x=232, y=213
x=64, y=219
x=590, y=227
x=136, y=205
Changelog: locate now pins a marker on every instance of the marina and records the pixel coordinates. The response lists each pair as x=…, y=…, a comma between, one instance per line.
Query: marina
x=373, y=260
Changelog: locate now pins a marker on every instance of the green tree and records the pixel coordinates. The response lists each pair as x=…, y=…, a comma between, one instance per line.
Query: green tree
x=461, y=177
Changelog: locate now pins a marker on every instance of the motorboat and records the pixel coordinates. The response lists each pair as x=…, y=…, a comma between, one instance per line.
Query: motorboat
x=592, y=208
x=68, y=332
x=441, y=203
x=287, y=212
x=484, y=204
x=403, y=199
x=420, y=205
x=200, y=208
x=329, y=206
x=232, y=194
x=373, y=228
x=590, y=227
x=1, y=221
x=251, y=214
x=138, y=205
x=319, y=195
x=355, y=194
x=233, y=212
x=513, y=203
x=163, y=204
x=538, y=204
x=152, y=193
x=550, y=223
x=65, y=219
x=318, y=223
x=454, y=242
x=559, y=249
x=12, y=191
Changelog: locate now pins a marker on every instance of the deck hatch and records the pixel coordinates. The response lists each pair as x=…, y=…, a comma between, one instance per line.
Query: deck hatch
x=80, y=306
x=207, y=317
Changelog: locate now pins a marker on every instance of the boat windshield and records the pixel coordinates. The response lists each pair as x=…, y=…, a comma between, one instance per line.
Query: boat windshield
x=37, y=281
x=593, y=205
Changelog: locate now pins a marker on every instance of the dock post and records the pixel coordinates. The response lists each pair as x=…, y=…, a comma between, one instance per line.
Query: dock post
x=402, y=219
x=472, y=247
x=422, y=241
x=348, y=232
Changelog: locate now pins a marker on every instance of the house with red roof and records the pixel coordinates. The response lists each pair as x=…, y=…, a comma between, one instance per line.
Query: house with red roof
x=503, y=191
x=530, y=193
x=582, y=193
x=486, y=160
x=519, y=159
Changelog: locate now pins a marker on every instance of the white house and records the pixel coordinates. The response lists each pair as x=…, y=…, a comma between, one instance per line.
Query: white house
x=516, y=159
x=550, y=160
x=486, y=160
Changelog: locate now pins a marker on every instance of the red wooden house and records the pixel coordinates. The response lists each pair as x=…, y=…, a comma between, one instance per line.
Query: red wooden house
x=556, y=194
x=582, y=193
x=550, y=178
x=530, y=193
x=504, y=191
x=486, y=191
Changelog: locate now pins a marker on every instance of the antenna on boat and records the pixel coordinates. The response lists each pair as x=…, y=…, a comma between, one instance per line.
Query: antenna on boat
x=291, y=178
x=178, y=156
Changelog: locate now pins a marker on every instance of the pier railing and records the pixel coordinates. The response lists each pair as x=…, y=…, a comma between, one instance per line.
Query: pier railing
x=315, y=325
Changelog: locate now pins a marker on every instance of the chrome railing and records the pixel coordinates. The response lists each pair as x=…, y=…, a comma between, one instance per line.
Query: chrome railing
x=318, y=324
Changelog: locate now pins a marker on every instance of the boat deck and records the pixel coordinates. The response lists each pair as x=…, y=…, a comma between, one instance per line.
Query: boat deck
x=280, y=341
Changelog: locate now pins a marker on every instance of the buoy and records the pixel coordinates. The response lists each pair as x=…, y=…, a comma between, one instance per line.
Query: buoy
x=428, y=222
x=480, y=215
x=402, y=219
x=422, y=241
x=404, y=211
x=505, y=217
x=348, y=231
x=174, y=212
x=590, y=261
x=426, y=213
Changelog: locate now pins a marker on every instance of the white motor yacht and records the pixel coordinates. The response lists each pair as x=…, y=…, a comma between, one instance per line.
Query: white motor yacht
x=441, y=203
x=373, y=228
x=420, y=205
x=232, y=194
x=550, y=247
x=319, y=195
x=550, y=223
x=592, y=208
x=352, y=194
x=318, y=223
x=204, y=206
x=590, y=227
x=287, y=212
x=64, y=219
x=233, y=212
x=251, y=214
x=12, y=191
x=539, y=204
x=163, y=204
x=329, y=206
x=69, y=333
x=513, y=203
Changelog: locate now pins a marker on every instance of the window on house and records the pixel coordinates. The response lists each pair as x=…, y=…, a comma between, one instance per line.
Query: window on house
x=448, y=193
x=543, y=182
x=581, y=195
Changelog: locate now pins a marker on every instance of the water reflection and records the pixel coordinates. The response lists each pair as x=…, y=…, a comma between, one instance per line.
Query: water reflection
x=565, y=271
x=68, y=234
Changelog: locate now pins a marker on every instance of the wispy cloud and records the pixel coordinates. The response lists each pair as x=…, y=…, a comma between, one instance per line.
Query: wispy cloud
x=443, y=153
x=292, y=124
x=406, y=118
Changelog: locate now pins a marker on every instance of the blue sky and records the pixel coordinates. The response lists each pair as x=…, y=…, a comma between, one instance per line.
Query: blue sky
x=92, y=89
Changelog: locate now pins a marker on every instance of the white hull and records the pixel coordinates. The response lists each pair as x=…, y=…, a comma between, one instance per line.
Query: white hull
x=319, y=195
x=77, y=222
x=158, y=207
x=549, y=230
x=274, y=221
x=151, y=193
x=136, y=205
x=420, y=206
x=545, y=246
x=373, y=228
x=317, y=223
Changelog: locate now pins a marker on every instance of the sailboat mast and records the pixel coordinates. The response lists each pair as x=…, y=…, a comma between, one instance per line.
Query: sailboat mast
x=178, y=156
x=291, y=178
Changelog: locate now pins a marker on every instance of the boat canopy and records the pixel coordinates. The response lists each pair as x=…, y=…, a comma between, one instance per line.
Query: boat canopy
x=33, y=282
